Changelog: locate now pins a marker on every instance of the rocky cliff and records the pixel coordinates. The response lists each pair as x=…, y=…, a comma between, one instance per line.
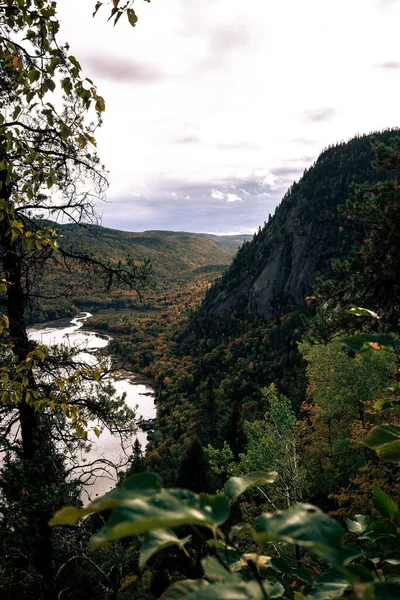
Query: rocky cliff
x=278, y=268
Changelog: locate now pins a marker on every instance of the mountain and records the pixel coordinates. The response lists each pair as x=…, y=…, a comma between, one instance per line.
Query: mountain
x=225, y=240
x=274, y=272
x=178, y=259
x=210, y=374
x=172, y=253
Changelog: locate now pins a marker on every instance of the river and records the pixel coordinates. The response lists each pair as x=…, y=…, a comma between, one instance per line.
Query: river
x=138, y=395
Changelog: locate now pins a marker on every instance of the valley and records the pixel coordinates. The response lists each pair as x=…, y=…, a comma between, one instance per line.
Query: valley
x=186, y=415
x=243, y=349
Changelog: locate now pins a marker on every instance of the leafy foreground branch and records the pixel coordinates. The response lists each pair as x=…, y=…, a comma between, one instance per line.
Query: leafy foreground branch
x=364, y=568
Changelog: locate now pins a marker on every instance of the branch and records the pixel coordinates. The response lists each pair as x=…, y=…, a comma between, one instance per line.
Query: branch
x=28, y=127
x=82, y=557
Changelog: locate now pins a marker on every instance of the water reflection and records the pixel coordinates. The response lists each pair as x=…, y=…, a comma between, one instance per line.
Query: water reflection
x=138, y=395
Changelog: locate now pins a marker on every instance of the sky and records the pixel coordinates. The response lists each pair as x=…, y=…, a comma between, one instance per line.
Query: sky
x=215, y=108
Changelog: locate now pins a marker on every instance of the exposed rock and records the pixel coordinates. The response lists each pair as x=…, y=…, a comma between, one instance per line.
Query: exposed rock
x=279, y=267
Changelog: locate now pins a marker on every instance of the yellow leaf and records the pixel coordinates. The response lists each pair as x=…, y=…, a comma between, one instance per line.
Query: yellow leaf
x=257, y=559
x=132, y=18
x=16, y=62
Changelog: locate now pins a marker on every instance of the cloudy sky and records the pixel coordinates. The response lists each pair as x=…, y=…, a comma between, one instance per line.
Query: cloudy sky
x=215, y=108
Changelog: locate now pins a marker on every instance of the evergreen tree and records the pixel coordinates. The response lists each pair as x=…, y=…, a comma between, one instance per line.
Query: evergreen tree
x=193, y=472
x=370, y=275
x=235, y=432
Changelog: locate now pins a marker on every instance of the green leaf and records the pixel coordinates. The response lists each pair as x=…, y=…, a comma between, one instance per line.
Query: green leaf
x=363, y=342
x=372, y=554
x=33, y=75
x=227, y=553
x=141, y=505
x=50, y=85
x=385, y=591
x=184, y=590
x=359, y=573
x=302, y=524
x=240, y=590
x=350, y=552
x=384, y=504
x=132, y=18
x=76, y=64
x=215, y=571
x=393, y=558
x=140, y=485
x=362, y=312
x=241, y=529
x=66, y=85
x=328, y=586
x=377, y=531
x=236, y=486
x=16, y=112
x=227, y=581
x=303, y=574
x=385, y=440
x=158, y=540
x=273, y=589
x=164, y=510
x=358, y=525
x=66, y=131
x=280, y=565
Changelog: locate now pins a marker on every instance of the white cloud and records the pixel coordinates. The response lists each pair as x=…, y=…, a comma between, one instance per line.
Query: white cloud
x=227, y=196
x=202, y=98
x=217, y=195
x=233, y=198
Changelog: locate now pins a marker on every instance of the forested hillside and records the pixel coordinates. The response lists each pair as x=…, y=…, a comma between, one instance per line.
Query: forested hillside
x=244, y=384
x=176, y=259
x=277, y=270
x=245, y=335
x=272, y=469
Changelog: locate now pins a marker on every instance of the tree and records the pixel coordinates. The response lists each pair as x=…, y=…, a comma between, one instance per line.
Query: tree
x=369, y=276
x=233, y=567
x=343, y=395
x=118, y=9
x=49, y=168
x=271, y=444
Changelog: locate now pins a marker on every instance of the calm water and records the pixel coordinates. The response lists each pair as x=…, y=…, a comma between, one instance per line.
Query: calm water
x=108, y=446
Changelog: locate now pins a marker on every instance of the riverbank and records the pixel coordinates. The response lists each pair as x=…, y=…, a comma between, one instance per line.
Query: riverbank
x=138, y=394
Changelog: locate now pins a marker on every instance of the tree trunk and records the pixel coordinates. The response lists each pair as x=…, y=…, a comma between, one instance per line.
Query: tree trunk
x=41, y=551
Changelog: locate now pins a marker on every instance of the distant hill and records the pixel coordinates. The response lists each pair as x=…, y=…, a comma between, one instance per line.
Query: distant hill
x=177, y=258
x=225, y=240
x=173, y=253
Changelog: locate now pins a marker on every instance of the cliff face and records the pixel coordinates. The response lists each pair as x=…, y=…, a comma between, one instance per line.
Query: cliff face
x=278, y=268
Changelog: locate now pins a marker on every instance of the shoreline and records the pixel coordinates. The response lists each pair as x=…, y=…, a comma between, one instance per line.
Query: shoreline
x=126, y=370
x=55, y=324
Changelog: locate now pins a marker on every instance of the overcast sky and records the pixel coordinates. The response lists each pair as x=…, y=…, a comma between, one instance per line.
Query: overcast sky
x=215, y=108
